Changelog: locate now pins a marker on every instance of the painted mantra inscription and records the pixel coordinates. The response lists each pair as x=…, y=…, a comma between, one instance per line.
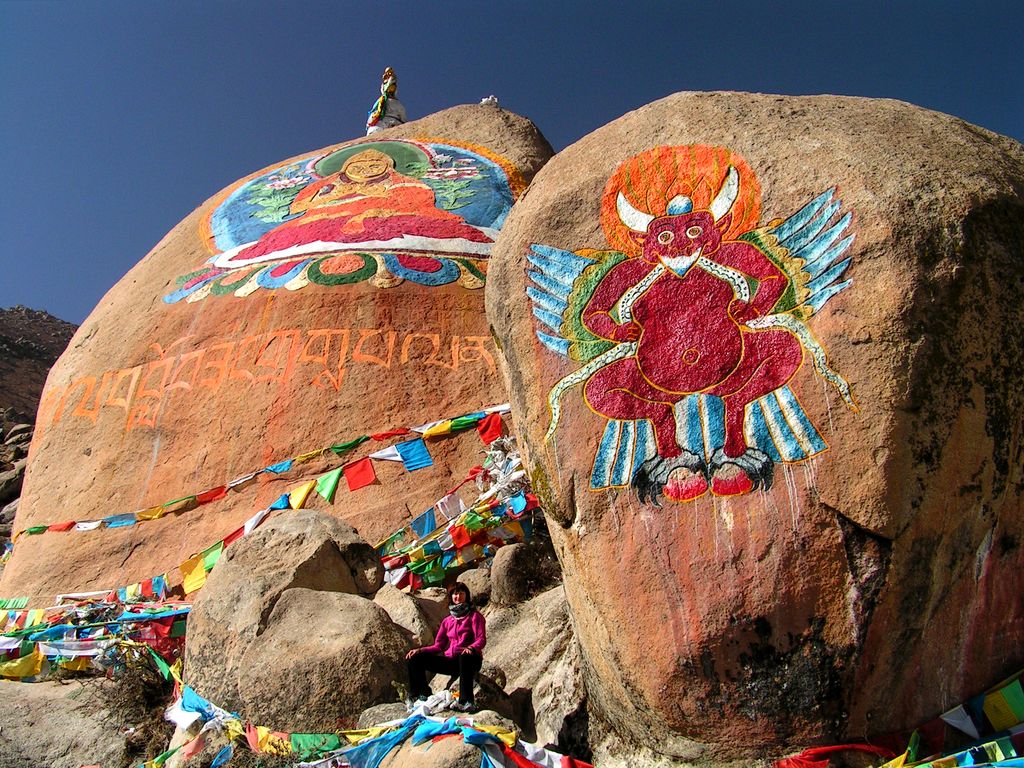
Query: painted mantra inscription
x=317, y=358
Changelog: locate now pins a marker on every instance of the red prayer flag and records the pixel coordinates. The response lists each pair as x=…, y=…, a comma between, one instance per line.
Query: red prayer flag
x=234, y=536
x=460, y=536
x=531, y=502
x=62, y=526
x=392, y=433
x=147, y=588
x=359, y=474
x=212, y=495
x=489, y=428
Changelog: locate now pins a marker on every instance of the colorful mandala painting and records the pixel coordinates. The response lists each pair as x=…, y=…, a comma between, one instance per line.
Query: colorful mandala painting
x=690, y=328
x=383, y=211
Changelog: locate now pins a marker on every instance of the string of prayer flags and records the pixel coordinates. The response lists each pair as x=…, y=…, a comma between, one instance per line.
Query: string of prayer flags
x=414, y=454
x=490, y=428
x=327, y=485
x=359, y=474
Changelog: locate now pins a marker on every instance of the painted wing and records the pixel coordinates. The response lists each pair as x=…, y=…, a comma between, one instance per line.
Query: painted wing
x=563, y=283
x=811, y=247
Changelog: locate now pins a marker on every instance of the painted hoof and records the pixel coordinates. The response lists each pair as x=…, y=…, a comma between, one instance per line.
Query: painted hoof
x=730, y=480
x=685, y=485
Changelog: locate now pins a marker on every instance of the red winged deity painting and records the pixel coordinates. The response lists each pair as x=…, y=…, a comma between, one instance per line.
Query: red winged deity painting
x=692, y=326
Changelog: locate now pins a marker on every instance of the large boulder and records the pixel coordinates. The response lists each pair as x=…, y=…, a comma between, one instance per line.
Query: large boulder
x=328, y=296
x=808, y=594
x=298, y=550
x=323, y=658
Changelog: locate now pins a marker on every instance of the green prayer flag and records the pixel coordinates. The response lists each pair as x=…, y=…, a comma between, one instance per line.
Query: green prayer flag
x=310, y=745
x=178, y=628
x=341, y=448
x=212, y=555
x=464, y=422
x=421, y=566
x=474, y=522
x=36, y=529
x=434, y=576
x=327, y=484
x=162, y=665
x=1014, y=695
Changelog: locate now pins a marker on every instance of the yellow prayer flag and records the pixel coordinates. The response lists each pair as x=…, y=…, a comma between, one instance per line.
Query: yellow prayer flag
x=152, y=513
x=133, y=590
x=896, y=762
x=26, y=666
x=271, y=744
x=193, y=574
x=234, y=729
x=35, y=616
x=81, y=664
x=360, y=735
x=999, y=712
x=308, y=456
x=503, y=734
x=297, y=497
x=176, y=671
x=444, y=428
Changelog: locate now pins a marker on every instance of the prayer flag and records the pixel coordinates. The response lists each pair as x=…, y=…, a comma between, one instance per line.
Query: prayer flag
x=26, y=666
x=392, y=433
x=193, y=574
x=87, y=525
x=153, y=513
x=414, y=454
x=211, y=555
x=254, y=521
x=341, y=448
x=310, y=745
x=35, y=529
x=307, y=456
x=183, y=504
x=518, y=504
x=959, y=719
x=451, y=506
x=133, y=591
x=160, y=586
x=234, y=536
x=120, y=521
x=61, y=527
x=489, y=428
x=223, y=756
x=469, y=420
x=423, y=524
x=281, y=466
x=999, y=712
x=241, y=482
x=212, y=495
x=1014, y=695
x=281, y=503
x=438, y=429
x=460, y=536
x=359, y=474
x=297, y=497
x=387, y=454
x=327, y=485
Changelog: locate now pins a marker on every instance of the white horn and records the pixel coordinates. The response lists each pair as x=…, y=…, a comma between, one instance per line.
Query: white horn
x=631, y=217
x=726, y=195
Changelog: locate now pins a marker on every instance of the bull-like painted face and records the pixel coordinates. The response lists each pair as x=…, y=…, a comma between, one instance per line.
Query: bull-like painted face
x=678, y=241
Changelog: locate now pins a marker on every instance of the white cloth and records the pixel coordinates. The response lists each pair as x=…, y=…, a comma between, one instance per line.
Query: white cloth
x=88, y=525
x=253, y=521
x=75, y=648
x=388, y=454
x=959, y=719
x=9, y=643
x=242, y=481
x=451, y=506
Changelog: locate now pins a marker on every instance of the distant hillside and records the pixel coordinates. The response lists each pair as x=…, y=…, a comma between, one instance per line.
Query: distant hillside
x=30, y=342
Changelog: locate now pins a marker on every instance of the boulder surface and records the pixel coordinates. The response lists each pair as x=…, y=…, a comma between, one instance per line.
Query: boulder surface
x=331, y=295
x=784, y=464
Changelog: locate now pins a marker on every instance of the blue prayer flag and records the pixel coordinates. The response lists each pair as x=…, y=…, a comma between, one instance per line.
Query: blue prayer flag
x=120, y=521
x=281, y=466
x=281, y=503
x=424, y=524
x=414, y=454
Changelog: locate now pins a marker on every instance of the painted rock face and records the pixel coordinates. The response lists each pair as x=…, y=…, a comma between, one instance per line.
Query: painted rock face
x=738, y=340
x=333, y=295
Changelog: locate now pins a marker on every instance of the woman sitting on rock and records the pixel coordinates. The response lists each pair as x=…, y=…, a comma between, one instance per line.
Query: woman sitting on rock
x=457, y=649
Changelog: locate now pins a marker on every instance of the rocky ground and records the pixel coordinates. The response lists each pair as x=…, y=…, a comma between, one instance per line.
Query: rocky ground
x=30, y=342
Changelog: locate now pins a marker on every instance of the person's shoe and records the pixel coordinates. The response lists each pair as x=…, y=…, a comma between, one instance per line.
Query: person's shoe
x=464, y=706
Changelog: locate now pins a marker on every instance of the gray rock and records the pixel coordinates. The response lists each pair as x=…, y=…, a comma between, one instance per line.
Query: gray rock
x=382, y=713
x=8, y=511
x=407, y=612
x=302, y=549
x=478, y=580
x=19, y=433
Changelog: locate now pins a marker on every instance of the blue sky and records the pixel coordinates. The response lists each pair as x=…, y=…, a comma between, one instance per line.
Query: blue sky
x=118, y=118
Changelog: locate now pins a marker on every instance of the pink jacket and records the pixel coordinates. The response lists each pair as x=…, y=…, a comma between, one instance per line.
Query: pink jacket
x=455, y=634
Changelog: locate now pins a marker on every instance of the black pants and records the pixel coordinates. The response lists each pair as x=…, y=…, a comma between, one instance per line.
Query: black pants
x=465, y=665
